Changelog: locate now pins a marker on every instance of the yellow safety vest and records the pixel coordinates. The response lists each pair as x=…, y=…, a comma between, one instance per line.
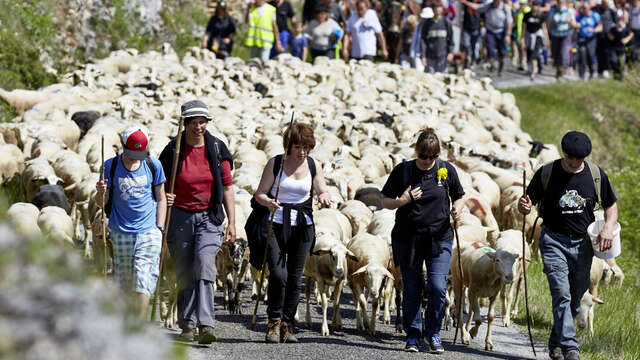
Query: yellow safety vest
x=260, y=32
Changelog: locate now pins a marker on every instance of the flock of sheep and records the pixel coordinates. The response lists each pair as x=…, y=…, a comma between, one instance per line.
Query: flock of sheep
x=365, y=117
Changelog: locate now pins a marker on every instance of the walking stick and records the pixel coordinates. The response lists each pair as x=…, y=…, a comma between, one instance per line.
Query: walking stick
x=524, y=263
x=459, y=305
x=269, y=232
x=172, y=183
x=104, y=226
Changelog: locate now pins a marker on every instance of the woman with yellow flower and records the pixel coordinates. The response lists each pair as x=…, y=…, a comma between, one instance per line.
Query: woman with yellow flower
x=421, y=190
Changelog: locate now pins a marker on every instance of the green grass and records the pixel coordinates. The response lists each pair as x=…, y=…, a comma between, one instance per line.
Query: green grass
x=609, y=112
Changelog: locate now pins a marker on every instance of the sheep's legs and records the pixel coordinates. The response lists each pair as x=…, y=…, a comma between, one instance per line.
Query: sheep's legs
x=488, y=344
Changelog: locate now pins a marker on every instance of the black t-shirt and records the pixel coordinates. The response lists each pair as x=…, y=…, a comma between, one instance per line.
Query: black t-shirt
x=471, y=19
x=570, y=198
x=284, y=12
x=221, y=28
x=618, y=35
x=430, y=213
x=533, y=23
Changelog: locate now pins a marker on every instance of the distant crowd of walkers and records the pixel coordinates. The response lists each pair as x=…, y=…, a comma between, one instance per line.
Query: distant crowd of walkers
x=594, y=37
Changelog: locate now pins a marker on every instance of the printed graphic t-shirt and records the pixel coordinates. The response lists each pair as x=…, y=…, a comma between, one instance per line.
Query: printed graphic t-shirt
x=133, y=205
x=570, y=198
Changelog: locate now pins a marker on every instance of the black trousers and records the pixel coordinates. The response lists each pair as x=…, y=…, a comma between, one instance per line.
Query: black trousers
x=603, y=54
x=286, y=265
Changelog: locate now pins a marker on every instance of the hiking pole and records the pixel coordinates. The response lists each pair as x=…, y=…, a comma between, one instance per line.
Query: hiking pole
x=524, y=262
x=269, y=233
x=459, y=305
x=172, y=183
x=104, y=226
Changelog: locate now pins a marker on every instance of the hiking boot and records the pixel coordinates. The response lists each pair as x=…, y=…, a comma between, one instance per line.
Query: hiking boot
x=206, y=335
x=435, y=345
x=273, y=331
x=412, y=345
x=286, y=333
x=572, y=355
x=556, y=354
x=187, y=335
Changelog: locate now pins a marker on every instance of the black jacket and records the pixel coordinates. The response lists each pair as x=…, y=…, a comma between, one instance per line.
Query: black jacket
x=214, y=157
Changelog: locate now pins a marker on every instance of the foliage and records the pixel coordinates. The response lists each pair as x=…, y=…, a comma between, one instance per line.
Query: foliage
x=609, y=112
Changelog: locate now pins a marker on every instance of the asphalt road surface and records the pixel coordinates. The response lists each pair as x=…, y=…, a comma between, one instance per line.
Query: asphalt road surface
x=237, y=341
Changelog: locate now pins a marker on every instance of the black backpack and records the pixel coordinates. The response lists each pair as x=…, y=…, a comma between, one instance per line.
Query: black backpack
x=112, y=174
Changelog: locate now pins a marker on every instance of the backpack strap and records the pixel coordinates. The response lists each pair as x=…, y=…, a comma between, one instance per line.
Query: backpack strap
x=546, y=175
x=112, y=174
x=312, y=170
x=597, y=180
x=152, y=167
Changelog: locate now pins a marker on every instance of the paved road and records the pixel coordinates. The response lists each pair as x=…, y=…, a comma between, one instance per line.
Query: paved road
x=237, y=341
x=512, y=77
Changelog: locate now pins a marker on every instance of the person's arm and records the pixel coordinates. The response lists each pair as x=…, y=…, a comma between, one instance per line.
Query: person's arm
x=450, y=44
x=456, y=209
x=605, y=238
x=398, y=49
x=407, y=197
x=345, y=46
x=473, y=6
x=101, y=188
x=423, y=43
x=161, y=205
x=320, y=186
x=276, y=33
x=509, y=27
x=266, y=182
x=229, y=202
x=247, y=15
x=626, y=40
x=305, y=51
x=383, y=45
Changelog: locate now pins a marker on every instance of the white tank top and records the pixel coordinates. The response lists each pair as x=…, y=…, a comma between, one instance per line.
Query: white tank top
x=292, y=191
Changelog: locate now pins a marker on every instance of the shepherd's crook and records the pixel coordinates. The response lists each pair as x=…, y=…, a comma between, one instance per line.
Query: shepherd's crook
x=269, y=232
x=459, y=313
x=104, y=227
x=172, y=183
x=524, y=262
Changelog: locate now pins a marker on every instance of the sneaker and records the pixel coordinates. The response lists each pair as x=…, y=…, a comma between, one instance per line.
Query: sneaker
x=572, y=355
x=187, y=335
x=206, y=335
x=412, y=345
x=556, y=354
x=435, y=345
x=286, y=333
x=273, y=331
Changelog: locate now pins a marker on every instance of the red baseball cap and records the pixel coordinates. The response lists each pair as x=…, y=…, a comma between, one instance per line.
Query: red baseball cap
x=135, y=140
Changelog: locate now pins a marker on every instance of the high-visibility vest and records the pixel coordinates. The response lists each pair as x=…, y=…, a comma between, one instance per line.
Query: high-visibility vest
x=260, y=32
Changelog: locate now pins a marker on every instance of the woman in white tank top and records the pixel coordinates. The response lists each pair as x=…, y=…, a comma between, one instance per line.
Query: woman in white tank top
x=293, y=231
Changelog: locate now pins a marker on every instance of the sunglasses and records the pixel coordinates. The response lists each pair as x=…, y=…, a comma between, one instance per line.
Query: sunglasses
x=428, y=157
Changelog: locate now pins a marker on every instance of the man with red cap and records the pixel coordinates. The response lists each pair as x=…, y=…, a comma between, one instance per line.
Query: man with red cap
x=566, y=191
x=136, y=206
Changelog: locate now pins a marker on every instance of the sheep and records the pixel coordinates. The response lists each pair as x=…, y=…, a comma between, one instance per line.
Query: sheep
x=24, y=218
x=511, y=241
x=333, y=222
x=485, y=273
x=11, y=163
x=328, y=267
x=358, y=214
x=366, y=275
x=55, y=222
x=37, y=172
x=590, y=298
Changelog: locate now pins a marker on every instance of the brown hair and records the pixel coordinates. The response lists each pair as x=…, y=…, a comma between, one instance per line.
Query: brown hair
x=428, y=142
x=298, y=134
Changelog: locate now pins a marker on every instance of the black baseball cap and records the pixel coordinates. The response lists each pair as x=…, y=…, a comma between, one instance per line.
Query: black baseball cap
x=576, y=144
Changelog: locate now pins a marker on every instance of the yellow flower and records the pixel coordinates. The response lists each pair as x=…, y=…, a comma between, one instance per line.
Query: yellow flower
x=442, y=174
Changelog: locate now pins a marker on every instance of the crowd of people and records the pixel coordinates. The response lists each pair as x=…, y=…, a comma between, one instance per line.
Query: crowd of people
x=596, y=38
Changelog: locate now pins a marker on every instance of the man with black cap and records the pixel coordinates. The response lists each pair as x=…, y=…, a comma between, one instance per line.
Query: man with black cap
x=566, y=191
x=203, y=186
x=136, y=206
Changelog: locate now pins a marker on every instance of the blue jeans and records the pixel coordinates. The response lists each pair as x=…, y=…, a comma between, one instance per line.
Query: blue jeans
x=414, y=283
x=567, y=264
x=496, y=46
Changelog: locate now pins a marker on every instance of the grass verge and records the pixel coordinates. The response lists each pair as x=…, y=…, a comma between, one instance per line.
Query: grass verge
x=609, y=112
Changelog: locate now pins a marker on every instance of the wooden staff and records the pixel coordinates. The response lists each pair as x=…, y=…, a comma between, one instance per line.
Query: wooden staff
x=524, y=262
x=172, y=183
x=459, y=305
x=104, y=226
x=269, y=232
